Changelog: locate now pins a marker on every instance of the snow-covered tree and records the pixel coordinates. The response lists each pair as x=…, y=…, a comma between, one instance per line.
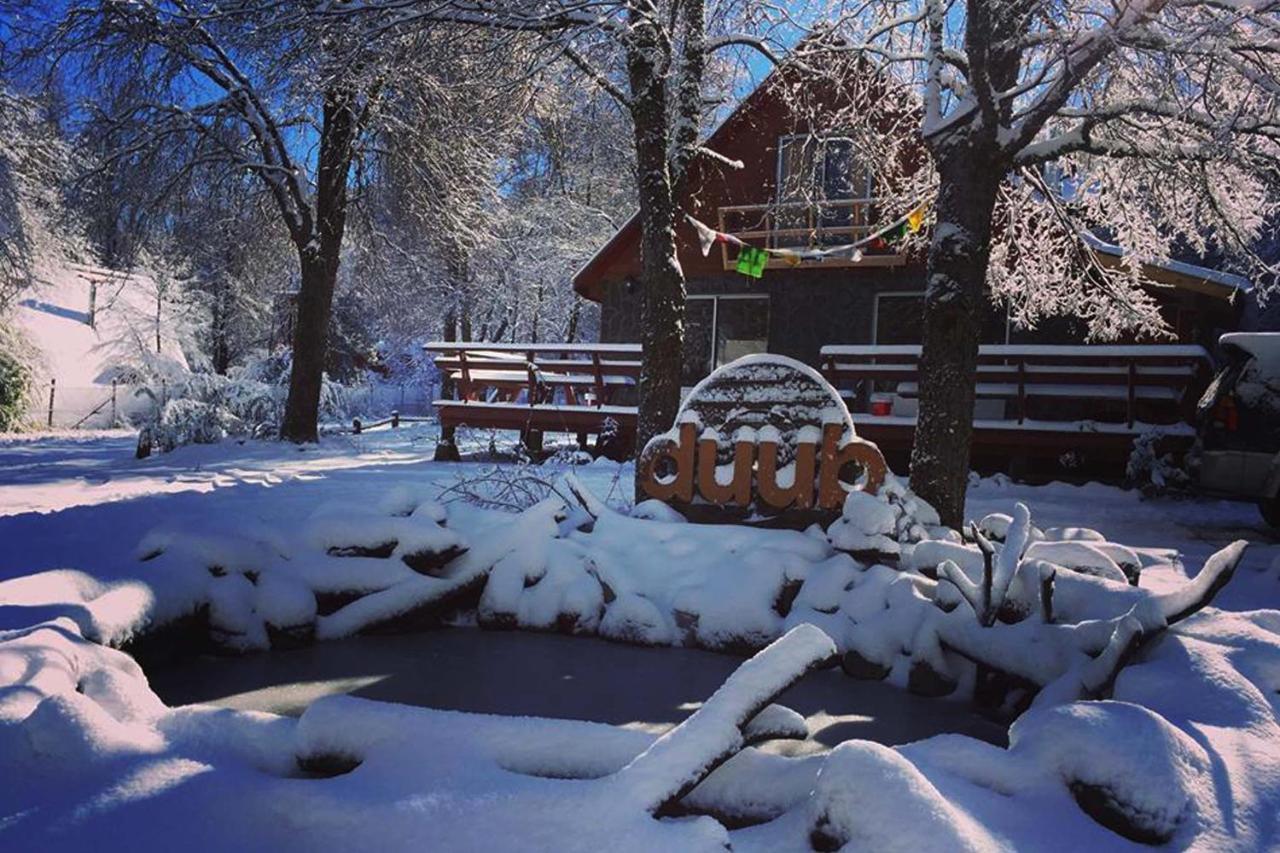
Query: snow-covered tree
x=239, y=259
x=277, y=92
x=35, y=223
x=484, y=208
x=1049, y=125
x=652, y=57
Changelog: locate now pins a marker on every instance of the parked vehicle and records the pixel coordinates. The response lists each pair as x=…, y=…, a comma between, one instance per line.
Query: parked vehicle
x=1239, y=423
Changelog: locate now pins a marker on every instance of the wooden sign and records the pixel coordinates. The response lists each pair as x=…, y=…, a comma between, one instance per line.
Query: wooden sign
x=763, y=432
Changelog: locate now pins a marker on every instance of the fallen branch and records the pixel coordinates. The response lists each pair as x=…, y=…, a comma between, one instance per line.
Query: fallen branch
x=679, y=760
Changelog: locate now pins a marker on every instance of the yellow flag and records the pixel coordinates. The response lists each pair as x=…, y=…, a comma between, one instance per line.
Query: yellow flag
x=915, y=219
x=789, y=257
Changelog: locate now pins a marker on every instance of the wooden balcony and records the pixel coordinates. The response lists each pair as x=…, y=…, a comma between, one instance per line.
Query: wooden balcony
x=807, y=225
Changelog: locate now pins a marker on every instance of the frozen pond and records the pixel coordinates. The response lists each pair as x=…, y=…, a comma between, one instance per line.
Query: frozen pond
x=549, y=675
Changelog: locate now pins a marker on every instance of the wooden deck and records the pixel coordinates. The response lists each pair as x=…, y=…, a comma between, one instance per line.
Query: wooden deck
x=1035, y=402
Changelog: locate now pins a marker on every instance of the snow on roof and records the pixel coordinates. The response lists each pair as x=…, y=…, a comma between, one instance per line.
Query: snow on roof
x=1264, y=346
x=1226, y=279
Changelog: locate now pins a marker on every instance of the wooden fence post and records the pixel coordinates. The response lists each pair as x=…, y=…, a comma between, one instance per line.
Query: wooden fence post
x=52, y=386
x=113, y=402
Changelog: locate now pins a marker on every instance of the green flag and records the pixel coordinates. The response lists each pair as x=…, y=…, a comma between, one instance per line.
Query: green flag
x=752, y=261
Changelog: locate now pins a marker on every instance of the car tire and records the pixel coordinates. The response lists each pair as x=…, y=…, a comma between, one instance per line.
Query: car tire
x=1270, y=509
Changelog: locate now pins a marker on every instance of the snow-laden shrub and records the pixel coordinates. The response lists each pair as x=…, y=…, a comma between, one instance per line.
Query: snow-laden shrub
x=518, y=485
x=188, y=421
x=16, y=382
x=1150, y=471
x=201, y=408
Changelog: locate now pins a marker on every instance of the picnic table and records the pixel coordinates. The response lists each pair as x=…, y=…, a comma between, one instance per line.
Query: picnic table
x=584, y=389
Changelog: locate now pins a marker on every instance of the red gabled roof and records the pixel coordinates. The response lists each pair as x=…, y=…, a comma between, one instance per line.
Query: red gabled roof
x=589, y=280
x=749, y=134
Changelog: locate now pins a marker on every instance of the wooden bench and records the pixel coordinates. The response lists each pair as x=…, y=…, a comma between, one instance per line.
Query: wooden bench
x=1042, y=398
x=539, y=388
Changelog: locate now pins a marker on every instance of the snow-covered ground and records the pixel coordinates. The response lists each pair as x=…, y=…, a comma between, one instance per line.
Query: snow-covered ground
x=88, y=754
x=86, y=322
x=80, y=499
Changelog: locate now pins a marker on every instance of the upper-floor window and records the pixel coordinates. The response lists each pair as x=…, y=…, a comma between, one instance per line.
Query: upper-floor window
x=823, y=190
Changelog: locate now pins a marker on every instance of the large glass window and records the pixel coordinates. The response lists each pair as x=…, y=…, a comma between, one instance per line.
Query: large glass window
x=818, y=177
x=719, y=329
x=699, y=331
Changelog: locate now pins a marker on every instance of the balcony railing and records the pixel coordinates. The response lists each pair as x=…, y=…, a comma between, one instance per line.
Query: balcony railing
x=808, y=225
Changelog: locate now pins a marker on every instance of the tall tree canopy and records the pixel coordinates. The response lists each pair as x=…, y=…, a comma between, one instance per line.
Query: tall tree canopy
x=1161, y=120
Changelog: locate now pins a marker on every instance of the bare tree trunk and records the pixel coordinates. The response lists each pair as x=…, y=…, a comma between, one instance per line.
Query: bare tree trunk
x=954, y=300
x=159, y=305
x=319, y=257
x=310, y=342
x=661, y=279
x=221, y=327
x=502, y=328
x=537, y=311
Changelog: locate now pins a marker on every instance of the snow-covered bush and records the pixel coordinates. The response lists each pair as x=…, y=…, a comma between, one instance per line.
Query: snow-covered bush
x=15, y=381
x=1176, y=749
x=186, y=421
x=1151, y=471
x=521, y=484
x=201, y=408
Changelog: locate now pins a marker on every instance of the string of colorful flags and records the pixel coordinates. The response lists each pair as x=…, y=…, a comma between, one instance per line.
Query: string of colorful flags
x=752, y=260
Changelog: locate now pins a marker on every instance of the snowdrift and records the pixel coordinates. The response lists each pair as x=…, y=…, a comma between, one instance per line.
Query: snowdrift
x=1142, y=717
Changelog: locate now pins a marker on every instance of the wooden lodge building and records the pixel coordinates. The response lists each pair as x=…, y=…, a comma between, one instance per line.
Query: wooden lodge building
x=797, y=310
x=868, y=310
x=1047, y=403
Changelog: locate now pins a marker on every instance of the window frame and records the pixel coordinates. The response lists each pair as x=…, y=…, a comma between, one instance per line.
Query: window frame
x=822, y=140
x=715, y=319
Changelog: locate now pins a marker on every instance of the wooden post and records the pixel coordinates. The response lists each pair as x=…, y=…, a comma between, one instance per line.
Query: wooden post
x=356, y=426
x=52, y=386
x=1022, y=390
x=863, y=402
x=1133, y=370
x=724, y=246
x=113, y=402
x=1191, y=392
x=464, y=381
x=533, y=380
x=395, y=418
x=595, y=363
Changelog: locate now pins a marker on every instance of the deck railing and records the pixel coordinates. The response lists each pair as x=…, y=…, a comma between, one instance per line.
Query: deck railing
x=806, y=225
x=1165, y=379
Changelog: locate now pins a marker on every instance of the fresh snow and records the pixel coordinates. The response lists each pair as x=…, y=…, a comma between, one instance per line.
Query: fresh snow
x=54, y=315
x=1184, y=749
